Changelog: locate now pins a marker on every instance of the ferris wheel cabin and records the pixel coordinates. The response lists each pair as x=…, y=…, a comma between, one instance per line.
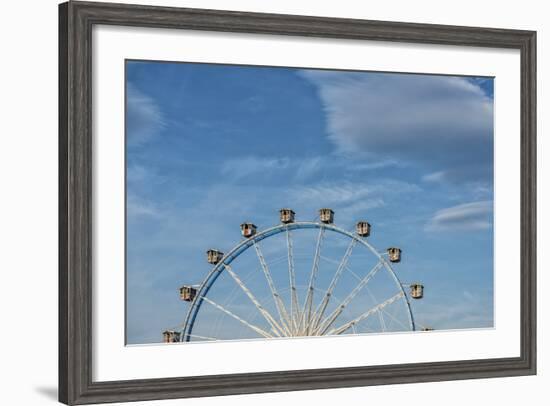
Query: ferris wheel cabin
x=248, y=230
x=394, y=254
x=187, y=293
x=326, y=216
x=287, y=216
x=214, y=256
x=417, y=291
x=171, y=336
x=362, y=228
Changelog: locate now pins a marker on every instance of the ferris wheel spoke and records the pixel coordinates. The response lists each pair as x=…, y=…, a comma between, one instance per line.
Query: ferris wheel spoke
x=380, y=315
x=276, y=328
x=370, y=312
x=283, y=315
x=202, y=337
x=353, y=274
x=306, y=313
x=392, y=317
x=383, y=311
x=382, y=321
x=294, y=306
x=320, y=311
x=240, y=319
x=329, y=321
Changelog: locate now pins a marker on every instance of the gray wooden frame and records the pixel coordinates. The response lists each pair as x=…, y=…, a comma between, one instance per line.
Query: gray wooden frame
x=76, y=20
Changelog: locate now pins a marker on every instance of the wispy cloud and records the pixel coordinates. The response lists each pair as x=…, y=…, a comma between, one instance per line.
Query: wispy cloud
x=299, y=169
x=468, y=216
x=333, y=193
x=434, y=177
x=144, y=118
x=139, y=175
x=467, y=309
x=307, y=168
x=425, y=119
x=350, y=199
x=470, y=173
x=373, y=164
x=138, y=207
x=251, y=165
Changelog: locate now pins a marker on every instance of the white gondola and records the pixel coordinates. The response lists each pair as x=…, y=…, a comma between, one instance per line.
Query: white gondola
x=248, y=230
x=214, y=256
x=287, y=216
x=362, y=228
x=171, y=336
x=417, y=291
x=326, y=216
x=187, y=293
x=394, y=254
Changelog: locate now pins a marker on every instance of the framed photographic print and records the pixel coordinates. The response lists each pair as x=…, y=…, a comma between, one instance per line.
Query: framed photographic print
x=258, y=202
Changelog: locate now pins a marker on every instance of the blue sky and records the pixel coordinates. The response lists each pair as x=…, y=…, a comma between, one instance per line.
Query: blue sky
x=211, y=146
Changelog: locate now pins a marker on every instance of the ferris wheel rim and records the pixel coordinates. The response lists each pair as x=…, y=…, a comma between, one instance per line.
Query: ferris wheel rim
x=250, y=242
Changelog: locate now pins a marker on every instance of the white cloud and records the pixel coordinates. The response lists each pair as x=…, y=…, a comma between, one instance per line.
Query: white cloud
x=472, y=173
x=467, y=310
x=306, y=168
x=441, y=121
x=385, y=163
x=144, y=119
x=349, y=199
x=434, y=176
x=333, y=193
x=349, y=191
x=137, y=207
x=468, y=216
x=246, y=166
x=298, y=169
x=138, y=175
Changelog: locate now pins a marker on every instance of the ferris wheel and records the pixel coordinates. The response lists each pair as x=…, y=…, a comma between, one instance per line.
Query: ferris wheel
x=298, y=278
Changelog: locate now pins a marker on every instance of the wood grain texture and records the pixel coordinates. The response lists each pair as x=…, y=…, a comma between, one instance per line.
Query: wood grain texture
x=63, y=303
x=76, y=20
